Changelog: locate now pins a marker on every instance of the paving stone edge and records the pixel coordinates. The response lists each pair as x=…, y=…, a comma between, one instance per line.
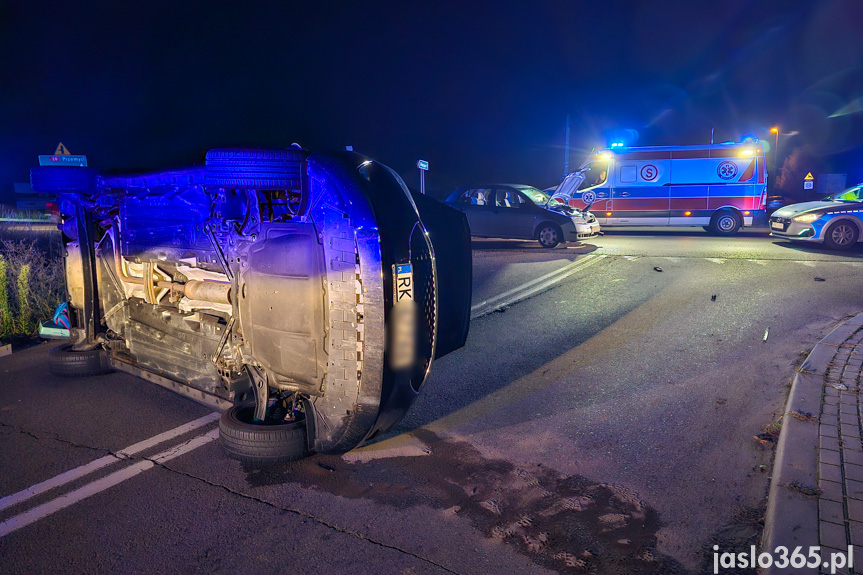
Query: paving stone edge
x=792, y=516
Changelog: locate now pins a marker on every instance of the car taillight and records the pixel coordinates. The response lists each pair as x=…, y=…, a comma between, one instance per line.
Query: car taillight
x=763, y=198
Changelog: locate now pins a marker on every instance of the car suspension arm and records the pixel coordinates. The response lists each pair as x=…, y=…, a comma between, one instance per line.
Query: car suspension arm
x=261, y=389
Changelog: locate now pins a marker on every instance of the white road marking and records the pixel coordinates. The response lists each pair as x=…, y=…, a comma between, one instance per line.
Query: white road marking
x=46, y=509
x=532, y=287
x=631, y=258
x=123, y=454
x=716, y=260
x=807, y=263
x=759, y=262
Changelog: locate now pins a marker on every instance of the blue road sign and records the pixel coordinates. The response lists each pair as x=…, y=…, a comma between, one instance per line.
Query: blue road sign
x=61, y=160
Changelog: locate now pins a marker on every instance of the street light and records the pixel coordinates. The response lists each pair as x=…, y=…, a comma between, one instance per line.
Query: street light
x=775, y=130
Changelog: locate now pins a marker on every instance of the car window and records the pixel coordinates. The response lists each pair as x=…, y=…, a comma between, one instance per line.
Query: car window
x=849, y=195
x=506, y=198
x=538, y=197
x=476, y=196
x=595, y=173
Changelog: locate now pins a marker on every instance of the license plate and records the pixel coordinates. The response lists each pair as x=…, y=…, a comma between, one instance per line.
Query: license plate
x=776, y=225
x=404, y=282
x=403, y=319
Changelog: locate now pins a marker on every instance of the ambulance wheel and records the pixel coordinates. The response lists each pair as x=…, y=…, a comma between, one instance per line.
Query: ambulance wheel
x=549, y=235
x=725, y=223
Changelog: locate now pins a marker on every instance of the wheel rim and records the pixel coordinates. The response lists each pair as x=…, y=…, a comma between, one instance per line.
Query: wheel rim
x=726, y=223
x=548, y=236
x=842, y=235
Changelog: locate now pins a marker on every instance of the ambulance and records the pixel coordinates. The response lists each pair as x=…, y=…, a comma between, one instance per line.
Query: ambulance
x=721, y=187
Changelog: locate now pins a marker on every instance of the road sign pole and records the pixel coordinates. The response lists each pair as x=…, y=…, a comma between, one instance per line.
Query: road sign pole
x=423, y=168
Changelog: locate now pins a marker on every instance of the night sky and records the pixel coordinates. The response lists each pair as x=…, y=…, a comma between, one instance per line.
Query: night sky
x=480, y=90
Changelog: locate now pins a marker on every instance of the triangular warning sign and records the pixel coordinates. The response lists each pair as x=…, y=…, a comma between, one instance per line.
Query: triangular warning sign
x=62, y=150
x=809, y=176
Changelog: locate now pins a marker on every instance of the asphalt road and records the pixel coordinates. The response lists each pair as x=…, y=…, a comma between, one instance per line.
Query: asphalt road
x=602, y=425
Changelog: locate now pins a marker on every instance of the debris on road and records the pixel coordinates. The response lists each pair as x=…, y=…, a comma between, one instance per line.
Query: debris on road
x=769, y=433
x=803, y=489
x=657, y=268
x=766, y=333
x=764, y=438
x=802, y=415
x=713, y=297
x=721, y=401
x=840, y=386
x=820, y=280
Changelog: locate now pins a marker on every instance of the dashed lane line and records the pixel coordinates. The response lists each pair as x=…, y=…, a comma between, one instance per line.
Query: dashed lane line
x=532, y=287
x=41, y=511
x=121, y=455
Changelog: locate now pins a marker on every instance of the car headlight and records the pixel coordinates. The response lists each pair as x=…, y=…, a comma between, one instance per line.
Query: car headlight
x=806, y=218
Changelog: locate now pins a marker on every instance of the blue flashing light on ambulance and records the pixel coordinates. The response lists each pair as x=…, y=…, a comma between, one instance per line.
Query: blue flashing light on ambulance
x=721, y=187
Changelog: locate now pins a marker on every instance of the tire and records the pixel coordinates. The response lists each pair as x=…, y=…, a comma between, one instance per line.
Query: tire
x=66, y=362
x=261, y=444
x=257, y=179
x=255, y=158
x=725, y=223
x=62, y=179
x=549, y=235
x=841, y=235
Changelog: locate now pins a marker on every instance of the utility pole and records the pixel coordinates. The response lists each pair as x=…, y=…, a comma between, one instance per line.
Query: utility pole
x=566, y=150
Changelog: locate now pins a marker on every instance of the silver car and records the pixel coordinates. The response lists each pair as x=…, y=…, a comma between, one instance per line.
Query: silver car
x=836, y=221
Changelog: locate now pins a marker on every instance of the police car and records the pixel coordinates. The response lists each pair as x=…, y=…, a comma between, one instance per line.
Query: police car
x=836, y=221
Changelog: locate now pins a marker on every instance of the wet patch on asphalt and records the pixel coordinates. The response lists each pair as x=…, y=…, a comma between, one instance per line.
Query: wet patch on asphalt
x=564, y=523
x=738, y=536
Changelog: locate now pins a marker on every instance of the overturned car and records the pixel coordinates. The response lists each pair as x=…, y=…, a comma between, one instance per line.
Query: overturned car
x=306, y=294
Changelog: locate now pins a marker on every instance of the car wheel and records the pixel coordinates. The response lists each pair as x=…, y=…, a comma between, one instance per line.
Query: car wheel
x=261, y=444
x=549, y=235
x=841, y=235
x=66, y=362
x=725, y=223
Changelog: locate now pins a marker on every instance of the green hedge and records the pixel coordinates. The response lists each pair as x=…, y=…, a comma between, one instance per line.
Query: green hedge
x=31, y=286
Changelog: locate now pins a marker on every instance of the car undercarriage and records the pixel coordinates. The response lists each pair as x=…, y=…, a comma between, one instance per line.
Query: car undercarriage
x=307, y=292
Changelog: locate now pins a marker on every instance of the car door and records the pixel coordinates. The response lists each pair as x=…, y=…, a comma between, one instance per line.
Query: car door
x=510, y=216
x=476, y=205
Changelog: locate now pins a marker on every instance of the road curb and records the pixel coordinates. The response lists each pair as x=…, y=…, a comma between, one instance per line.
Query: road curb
x=792, y=514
